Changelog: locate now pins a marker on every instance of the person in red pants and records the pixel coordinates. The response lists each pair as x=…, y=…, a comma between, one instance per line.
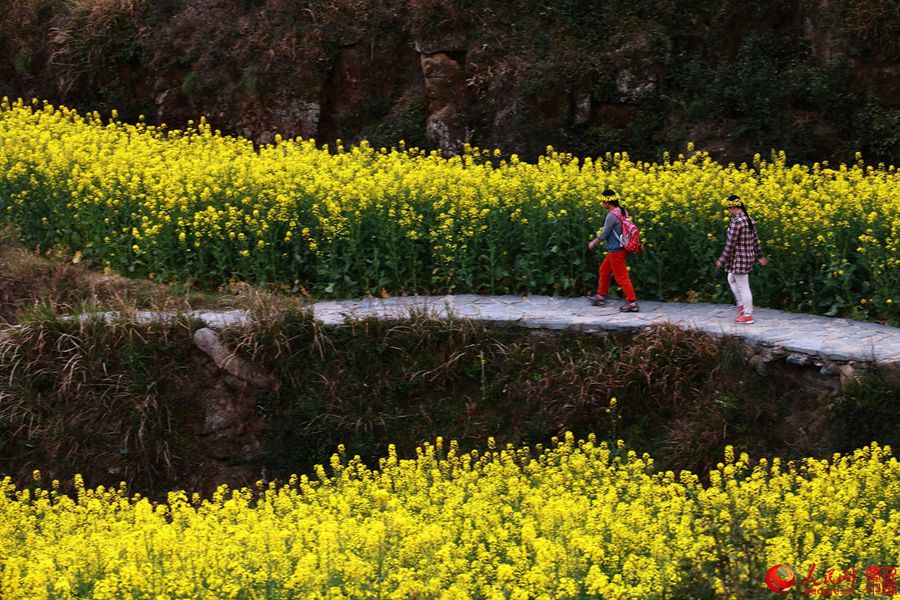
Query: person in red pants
x=615, y=260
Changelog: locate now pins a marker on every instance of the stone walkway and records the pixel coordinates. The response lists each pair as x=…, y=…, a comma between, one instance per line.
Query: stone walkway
x=824, y=337
x=831, y=339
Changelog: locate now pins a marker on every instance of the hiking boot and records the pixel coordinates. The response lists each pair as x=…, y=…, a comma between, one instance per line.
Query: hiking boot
x=744, y=319
x=597, y=299
x=630, y=307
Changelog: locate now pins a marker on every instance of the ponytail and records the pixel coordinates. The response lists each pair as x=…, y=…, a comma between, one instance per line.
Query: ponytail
x=749, y=220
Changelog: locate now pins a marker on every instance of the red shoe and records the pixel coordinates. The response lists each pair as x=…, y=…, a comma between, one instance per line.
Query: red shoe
x=740, y=310
x=744, y=320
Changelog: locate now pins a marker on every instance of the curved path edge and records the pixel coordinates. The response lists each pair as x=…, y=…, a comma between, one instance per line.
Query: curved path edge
x=828, y=338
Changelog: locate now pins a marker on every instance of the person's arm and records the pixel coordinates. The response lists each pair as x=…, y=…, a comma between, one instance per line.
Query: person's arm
x=731, y=236
x=759, y=255
x=605, y=232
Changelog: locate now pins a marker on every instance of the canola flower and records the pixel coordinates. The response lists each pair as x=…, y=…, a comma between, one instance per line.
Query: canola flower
x=579, y=519
x=197, y=205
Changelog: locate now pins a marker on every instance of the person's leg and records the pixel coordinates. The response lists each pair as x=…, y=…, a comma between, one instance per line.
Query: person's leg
x=734, y=290
x=742, y=283
x=620, y=272
x=605, y=271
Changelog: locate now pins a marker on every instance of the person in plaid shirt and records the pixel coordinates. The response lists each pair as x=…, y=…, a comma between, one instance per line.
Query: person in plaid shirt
x=741, y=251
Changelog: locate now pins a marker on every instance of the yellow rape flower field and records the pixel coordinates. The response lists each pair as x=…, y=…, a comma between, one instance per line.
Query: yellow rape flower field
x=195, y=205
x=579, y=519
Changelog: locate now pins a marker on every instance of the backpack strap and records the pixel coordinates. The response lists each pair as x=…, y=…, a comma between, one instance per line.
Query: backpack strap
x=618, y=213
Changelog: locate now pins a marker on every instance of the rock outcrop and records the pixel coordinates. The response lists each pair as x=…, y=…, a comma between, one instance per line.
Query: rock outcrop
x=819, y=79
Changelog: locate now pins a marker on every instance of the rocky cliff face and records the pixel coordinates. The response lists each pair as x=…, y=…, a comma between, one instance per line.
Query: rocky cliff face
x=820, y=78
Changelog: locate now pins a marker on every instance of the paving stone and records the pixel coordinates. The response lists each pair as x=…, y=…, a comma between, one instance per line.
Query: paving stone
x=331, y=318
x=807, y=345
x=464, y=298
x=868, y=338
x=814, y=336
x=537, y=300
x=510, y=299
x=554, y=324
x=221, y=320
x=842, y=352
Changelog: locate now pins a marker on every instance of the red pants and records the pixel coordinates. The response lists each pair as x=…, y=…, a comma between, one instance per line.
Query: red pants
x=614, y=262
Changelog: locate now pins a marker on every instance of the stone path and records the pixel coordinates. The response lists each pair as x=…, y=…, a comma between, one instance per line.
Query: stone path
x=832, y=339
x=825, y=337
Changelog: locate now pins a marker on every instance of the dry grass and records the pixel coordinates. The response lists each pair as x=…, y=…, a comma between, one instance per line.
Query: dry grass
x=86, y=37
x=92, y=396
x=35, y=282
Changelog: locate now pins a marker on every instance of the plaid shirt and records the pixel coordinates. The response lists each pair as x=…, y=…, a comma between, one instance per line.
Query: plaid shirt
x=741, y=245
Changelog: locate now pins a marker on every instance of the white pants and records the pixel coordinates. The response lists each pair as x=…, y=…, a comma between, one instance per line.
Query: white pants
x=740, y=287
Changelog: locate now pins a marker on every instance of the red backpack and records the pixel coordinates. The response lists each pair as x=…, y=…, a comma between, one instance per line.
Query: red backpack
x=631, y=237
